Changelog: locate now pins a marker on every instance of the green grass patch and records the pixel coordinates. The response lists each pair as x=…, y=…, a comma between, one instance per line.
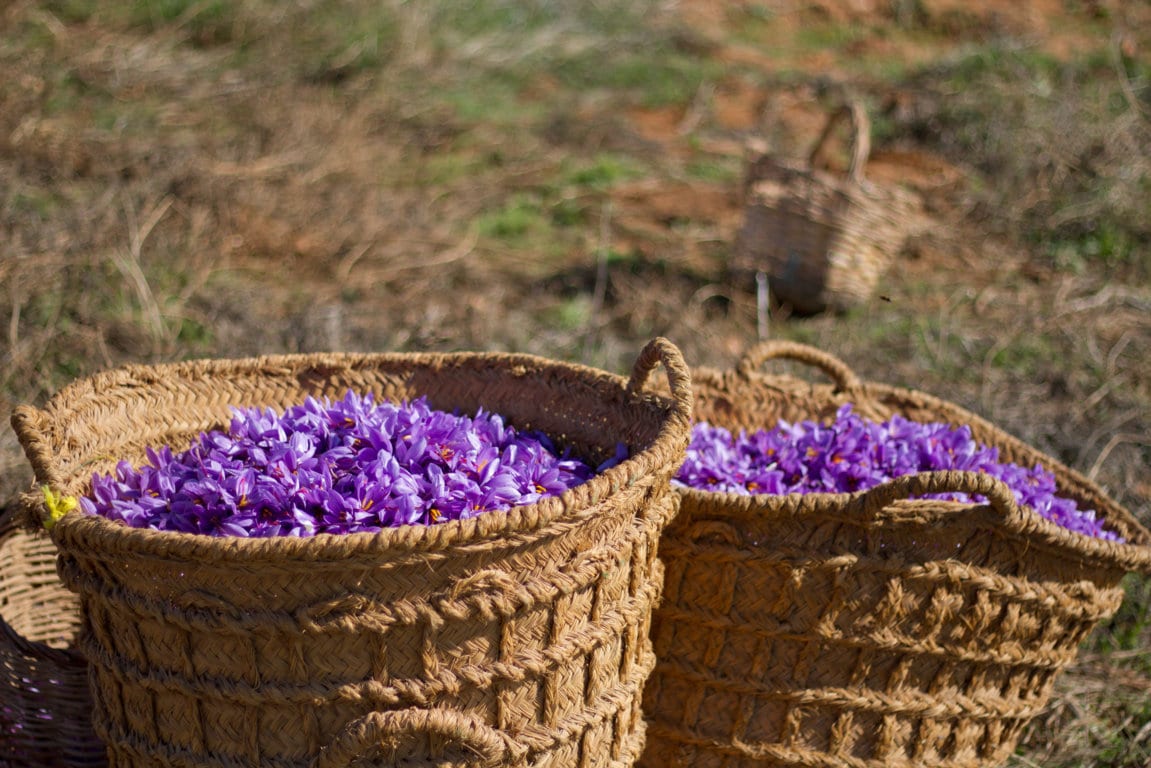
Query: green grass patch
x=603, y=171
x=759, y=26
x=39, y=203
x=68, y=92
x=203, y=23
x=1129, y=629
x=570, y=315
x=1024, y=355
x=581, y=45
x=534, y=224
x=1108, y=243
x=514, y=220
x=323, y=42
x=475, y=18
x=570, y=212
x=193, y=334
x=452, y=165
x=520, y=217
x=494, y=98
x=71, y=11
x=517, y=18
x=27, y=35
x=649, y=76
x=1003, y=61
x=127, y=117
x=1055, y=136
x=332, y=41
x=719, y=170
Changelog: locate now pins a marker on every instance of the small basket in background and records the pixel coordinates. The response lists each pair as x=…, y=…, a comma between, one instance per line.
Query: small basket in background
x=45, y=705
x=824, y=240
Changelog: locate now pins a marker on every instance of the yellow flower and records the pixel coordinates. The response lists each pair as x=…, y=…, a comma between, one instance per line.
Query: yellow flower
x=58, y=505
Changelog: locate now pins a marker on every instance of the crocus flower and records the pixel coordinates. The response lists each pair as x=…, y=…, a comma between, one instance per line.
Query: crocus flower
x=852, y=453
x=347, y=466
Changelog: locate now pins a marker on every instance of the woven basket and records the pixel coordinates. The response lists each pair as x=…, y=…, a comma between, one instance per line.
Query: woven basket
x=45, y=707
x=517, y=638
x=868, y=630
x=824, y=240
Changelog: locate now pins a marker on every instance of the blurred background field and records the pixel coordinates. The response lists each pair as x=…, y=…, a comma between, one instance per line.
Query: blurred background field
x=191, y=178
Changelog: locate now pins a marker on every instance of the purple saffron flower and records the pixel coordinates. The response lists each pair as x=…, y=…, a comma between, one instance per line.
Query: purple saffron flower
x=346, y=466
x=851, y=454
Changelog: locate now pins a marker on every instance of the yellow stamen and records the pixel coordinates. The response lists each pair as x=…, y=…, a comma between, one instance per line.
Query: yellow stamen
x=58, y=505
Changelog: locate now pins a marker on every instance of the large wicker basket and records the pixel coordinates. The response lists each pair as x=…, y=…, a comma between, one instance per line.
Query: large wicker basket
x=517, y=638
x=871, y=630
x=45, y=707
x=823, y=240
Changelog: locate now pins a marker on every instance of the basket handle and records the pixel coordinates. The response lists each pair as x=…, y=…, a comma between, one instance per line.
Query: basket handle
x=29, y=425
x=861, y=137
x=844, y=378
x=716, y=529
x=62, y=657
x=361, y=737
x=660, y=350
x=1001, y=498
x=8, y=635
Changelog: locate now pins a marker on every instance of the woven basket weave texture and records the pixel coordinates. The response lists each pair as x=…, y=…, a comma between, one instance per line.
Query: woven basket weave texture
x=868, y=630
x=45, y=707
x=518, y=638
x=824, y=240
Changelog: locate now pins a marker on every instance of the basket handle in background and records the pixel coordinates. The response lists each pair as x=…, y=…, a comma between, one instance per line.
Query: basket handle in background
x=844, y=378
x=860, y=138
x=61, y=657
x=660, y=350
x=9, y=637
x=714, y=529
x=387, y=730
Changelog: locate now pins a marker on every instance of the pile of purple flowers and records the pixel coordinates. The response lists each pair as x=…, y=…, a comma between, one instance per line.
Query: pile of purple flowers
x=347, y=466
x=852, y=454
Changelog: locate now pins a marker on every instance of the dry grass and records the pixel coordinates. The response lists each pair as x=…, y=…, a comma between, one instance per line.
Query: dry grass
x=182, y=179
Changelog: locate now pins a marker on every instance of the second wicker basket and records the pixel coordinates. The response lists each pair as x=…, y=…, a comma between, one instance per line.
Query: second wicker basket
x=875, y=629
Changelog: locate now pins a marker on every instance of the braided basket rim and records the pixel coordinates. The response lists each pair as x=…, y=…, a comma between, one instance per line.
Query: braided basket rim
x=1020, y=522
x=553, y=513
